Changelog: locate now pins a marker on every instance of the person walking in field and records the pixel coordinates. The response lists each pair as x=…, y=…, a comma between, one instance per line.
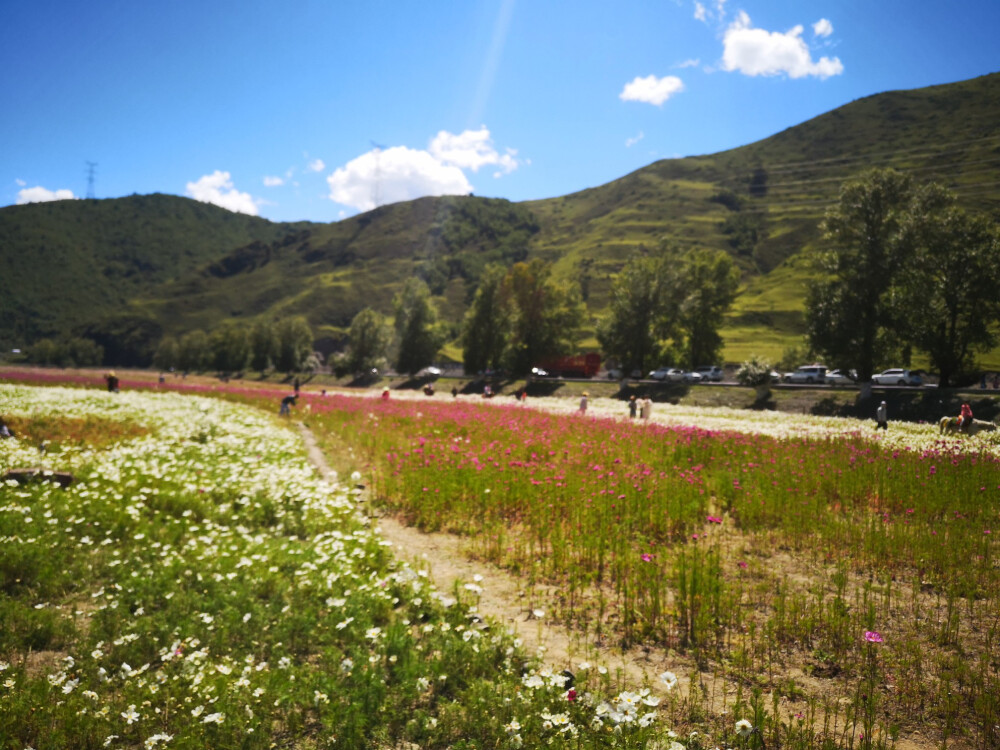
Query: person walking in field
x=632, y=407
x=583, y=403
x=882, y=417
x=646, y=409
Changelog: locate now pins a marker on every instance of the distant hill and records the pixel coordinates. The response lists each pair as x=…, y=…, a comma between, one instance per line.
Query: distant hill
x=191, y=265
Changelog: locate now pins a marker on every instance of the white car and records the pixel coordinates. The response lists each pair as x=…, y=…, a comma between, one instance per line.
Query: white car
x=807, y=374
x=897, y=376
x=713, y=373
x=674, y=375
x=836, y=377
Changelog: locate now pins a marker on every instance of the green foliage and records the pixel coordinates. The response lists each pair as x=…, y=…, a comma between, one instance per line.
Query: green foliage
x=370, y=337
x=545, y=315
x=632, y=331
x=850, y=316
x=193, y=352
x=263, y=345
x=295, y=343
x=230, y=345
x=418, y=334
x=127, y=339
x=486, y=328
x=951, y=295
x=708, y=284
x=167, y=354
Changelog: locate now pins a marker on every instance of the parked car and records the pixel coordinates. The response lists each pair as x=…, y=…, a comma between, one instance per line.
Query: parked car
x=836, y=377
x=807, y=374
x=429, y=372
x=897, y=376
x=674, y=375
x=538, y=372
x=710, y=372
x=693, y=377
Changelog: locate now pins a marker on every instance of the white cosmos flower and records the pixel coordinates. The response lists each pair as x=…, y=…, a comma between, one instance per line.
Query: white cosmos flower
x=669, y=679
x=744, y=728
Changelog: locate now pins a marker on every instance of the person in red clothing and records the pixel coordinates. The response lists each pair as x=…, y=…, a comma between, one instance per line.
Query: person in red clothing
x=965, y=418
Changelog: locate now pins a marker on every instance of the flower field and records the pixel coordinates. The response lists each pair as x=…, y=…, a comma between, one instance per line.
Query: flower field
x=197, y=585
x=798, y=581
x=760, y=548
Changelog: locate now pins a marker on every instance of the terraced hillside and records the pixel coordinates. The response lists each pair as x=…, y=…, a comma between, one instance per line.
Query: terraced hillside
x=190, y=265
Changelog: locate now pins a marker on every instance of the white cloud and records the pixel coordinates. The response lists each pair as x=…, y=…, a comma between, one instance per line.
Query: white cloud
x=704, y=14
x=756, y=52
x=472, y=149
x=394, y=174
x=316, y=165
x=822, y=27
x=21, y=183
x=700, y=14
x=630, y=142
x=271, y=181
x=41, y=195
x=217, y=188
x=651, y=89
x=689, y=63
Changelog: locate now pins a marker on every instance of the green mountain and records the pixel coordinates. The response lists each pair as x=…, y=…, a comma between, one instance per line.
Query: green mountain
x=190, y=265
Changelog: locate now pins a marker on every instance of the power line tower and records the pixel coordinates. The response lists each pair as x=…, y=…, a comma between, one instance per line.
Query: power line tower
x=91, y=167
x=378, y=172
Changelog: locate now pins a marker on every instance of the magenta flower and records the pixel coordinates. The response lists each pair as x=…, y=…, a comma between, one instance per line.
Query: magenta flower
x=872, y=636
x=646, y=557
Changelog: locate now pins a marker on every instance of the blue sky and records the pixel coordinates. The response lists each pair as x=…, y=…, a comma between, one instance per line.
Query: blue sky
x=302, y=109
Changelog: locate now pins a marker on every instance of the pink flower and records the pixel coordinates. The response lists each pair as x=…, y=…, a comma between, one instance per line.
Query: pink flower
x=872, y=636
x=646, y=557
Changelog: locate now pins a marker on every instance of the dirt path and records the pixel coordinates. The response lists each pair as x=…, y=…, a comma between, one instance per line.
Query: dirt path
x=504, y=599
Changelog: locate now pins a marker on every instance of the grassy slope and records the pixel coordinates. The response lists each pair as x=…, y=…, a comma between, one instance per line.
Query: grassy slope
x=192, y=265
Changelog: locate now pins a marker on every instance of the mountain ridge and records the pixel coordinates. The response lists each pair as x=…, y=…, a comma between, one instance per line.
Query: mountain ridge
x=189, y=265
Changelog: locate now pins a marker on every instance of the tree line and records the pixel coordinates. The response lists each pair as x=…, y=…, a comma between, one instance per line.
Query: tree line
x=906, y=270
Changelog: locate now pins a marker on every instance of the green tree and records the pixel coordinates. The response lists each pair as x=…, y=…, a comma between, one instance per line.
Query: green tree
x=708, y=285
x=230, y=345
x=546, y=315
x=487, y=325
x=632, y=330
x=43, y=352
x=850, y=315
x=193, y=353
x=295, y=343
x=952, y=292
x=263, y=345
x=369, y=340
x=167, y=353
x=418, y=335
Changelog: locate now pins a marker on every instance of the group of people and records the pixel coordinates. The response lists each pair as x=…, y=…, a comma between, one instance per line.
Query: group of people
x=643, y=406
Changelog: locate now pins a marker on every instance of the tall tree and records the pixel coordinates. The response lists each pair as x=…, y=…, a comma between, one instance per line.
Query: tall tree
x=193, y=353
x=167, y=353
x=369, y=340
x=632, y=330
x=230, y=345
x=849, y=312
x=418, y=335
x=487, y=323
x=546, y=315
x=708, y=285
x=263, y=345
x=295, y=343
x=952, y=292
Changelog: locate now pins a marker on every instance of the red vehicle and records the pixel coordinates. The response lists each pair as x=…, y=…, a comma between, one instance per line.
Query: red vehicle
x=574, y=366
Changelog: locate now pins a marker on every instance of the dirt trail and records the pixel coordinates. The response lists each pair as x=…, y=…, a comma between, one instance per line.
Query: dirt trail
x=505, y=600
